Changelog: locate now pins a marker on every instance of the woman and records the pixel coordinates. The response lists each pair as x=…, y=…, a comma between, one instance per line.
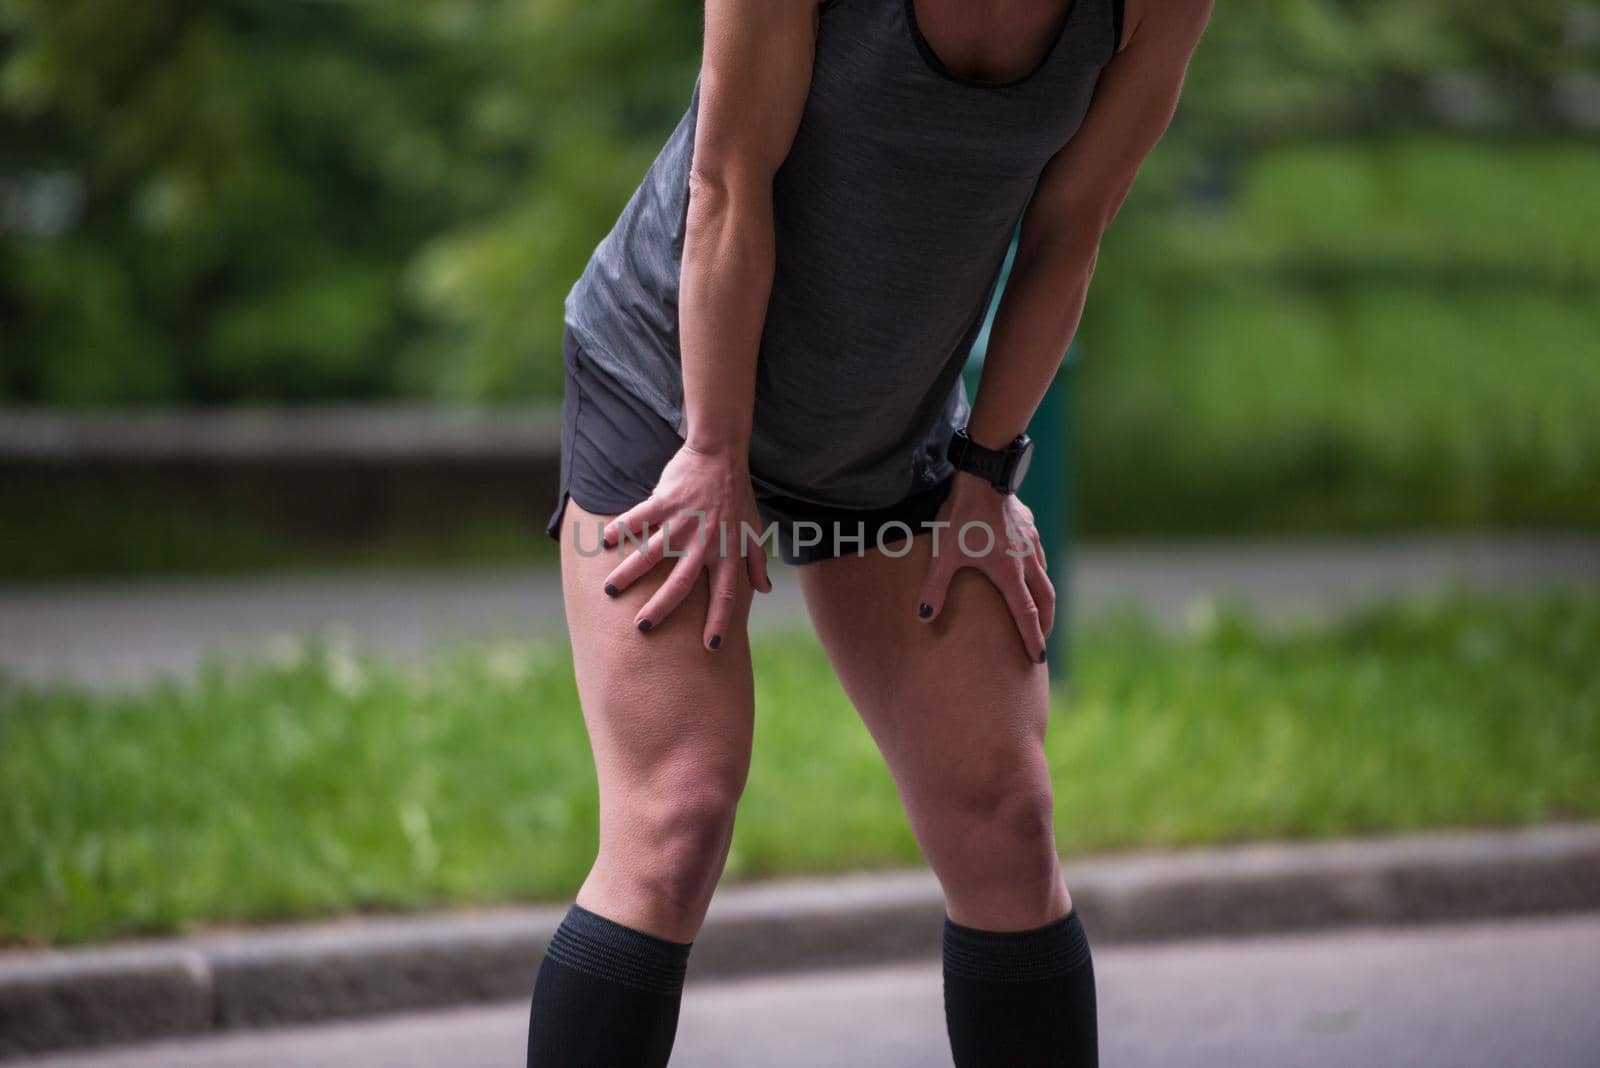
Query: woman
x=773, y=333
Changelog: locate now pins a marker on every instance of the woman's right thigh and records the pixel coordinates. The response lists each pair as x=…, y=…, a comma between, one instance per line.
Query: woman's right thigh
x=670, y=725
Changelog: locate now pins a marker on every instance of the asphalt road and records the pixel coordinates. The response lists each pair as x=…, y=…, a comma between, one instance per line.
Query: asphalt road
x=125, y=633
x=1478, y=996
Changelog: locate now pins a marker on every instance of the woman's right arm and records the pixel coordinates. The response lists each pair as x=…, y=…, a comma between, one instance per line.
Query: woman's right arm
x=754, y=79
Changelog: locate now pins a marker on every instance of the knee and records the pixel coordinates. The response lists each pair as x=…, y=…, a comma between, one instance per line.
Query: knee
x=993, y=806
x=680, y=837
x=993, y=848
x=1009, y=814
x=691, y=831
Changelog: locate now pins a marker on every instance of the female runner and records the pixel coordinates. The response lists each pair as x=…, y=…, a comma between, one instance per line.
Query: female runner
x=769, y=342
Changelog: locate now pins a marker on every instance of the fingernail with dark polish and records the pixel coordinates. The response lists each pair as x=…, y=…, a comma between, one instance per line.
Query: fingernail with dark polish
x=924, y=610
x=611, y=590
x=716, y=641
x=644, y=624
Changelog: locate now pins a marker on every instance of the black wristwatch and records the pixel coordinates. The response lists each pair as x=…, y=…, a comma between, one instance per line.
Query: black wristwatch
x=1004, y=469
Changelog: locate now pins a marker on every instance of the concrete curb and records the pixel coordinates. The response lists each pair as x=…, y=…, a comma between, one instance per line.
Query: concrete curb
x=338, y=433
x=57, y=999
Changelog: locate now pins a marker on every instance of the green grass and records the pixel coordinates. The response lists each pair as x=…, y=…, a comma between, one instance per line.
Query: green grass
x=317, y=781
x=1366, y=337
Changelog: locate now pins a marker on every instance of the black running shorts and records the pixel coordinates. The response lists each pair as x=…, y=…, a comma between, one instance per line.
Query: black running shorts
x=614, y=447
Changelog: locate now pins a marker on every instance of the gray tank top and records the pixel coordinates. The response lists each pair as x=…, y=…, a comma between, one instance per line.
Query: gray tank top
x=893, y=212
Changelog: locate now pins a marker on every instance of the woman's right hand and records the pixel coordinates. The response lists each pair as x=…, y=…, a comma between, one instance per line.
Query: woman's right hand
x=705, y=503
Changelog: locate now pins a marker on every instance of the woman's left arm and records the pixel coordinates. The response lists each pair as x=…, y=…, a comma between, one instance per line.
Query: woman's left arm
x=1077, y=196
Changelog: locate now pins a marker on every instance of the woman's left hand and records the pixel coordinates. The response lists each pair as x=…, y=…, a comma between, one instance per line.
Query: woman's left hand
x=1000, y=541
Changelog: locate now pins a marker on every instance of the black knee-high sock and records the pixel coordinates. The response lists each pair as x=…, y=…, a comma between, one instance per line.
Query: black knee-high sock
x=1020, y=999
x=606, y=995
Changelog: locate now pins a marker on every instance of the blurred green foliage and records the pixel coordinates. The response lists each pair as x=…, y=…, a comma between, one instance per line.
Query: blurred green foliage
x=266, y=200
x=1365, y=335
x=257, y=200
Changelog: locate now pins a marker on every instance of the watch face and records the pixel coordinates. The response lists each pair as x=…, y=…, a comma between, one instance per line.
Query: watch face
x=1020, y=472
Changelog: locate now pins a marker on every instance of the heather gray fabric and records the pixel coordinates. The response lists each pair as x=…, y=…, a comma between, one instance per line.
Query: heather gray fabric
x=893, y=212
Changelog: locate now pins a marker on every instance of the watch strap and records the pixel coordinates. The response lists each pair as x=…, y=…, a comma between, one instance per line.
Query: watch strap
x=992, y=465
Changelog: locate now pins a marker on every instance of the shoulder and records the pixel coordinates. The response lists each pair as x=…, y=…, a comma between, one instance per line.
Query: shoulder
x=1175, y=21
x=758, y=12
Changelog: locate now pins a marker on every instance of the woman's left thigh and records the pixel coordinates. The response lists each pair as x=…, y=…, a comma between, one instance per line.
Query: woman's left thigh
x=959, y=710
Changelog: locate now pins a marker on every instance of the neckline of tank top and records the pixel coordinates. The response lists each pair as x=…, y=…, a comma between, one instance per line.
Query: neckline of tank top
x=931, y=58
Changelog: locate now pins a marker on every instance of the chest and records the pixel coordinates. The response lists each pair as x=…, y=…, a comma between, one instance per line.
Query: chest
x=989, y=41
x=884, y=105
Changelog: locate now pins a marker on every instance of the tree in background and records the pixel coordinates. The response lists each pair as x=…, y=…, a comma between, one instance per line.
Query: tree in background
x=252, y=200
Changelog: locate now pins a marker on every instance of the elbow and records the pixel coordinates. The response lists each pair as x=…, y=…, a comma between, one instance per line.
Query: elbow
x=1073, y=231
x=709, y=189
x=729, y=216
x=1067, y=246
x=721, y=191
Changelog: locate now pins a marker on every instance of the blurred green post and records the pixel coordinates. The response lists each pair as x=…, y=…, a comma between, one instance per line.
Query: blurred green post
x=1047, y=489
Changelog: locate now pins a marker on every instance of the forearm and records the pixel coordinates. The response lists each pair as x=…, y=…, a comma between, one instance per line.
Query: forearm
x=1037, y=319
x=723, y=290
